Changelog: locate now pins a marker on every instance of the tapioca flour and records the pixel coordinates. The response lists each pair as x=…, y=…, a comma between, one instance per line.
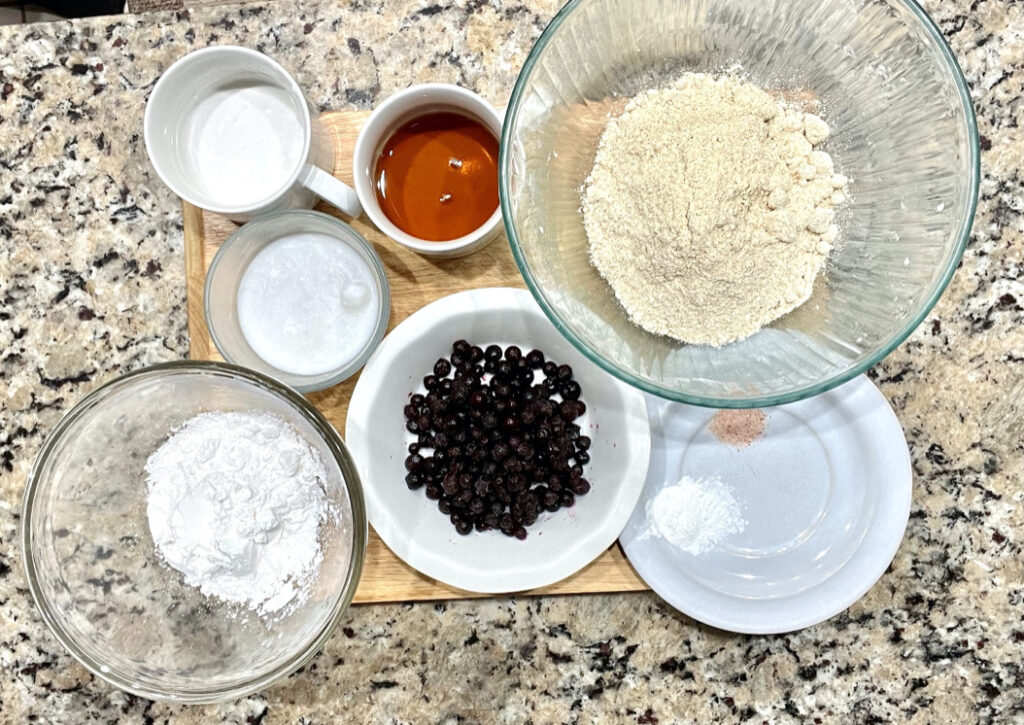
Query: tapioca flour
x=235, y=503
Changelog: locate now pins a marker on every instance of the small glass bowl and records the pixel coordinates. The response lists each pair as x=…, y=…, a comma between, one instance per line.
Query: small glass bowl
x=97, y=579
x=220, y=295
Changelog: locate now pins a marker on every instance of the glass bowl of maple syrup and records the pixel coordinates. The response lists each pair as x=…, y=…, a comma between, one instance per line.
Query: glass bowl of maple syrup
x=426, y=169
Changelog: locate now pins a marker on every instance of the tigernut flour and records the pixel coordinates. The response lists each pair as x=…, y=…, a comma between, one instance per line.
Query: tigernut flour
x=709, y=211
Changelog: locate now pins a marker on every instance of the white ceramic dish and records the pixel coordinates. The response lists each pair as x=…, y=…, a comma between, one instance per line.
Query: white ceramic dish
x=826, y=496
x=229, y=130
x=560, y=543
x=399, y=108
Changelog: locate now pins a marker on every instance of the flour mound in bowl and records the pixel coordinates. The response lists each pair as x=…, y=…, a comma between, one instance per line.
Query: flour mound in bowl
x=235, y=502
x=709, y=211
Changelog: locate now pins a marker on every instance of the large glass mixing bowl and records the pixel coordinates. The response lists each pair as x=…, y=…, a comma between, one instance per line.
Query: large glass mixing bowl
x=95, y=574
x=903, y=131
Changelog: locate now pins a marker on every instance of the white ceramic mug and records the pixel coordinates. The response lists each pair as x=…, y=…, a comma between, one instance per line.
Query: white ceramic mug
x=229, y=130
x=385, y=120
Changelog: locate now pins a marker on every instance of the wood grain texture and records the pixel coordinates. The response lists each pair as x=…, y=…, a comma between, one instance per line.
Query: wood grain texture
x=415, y=281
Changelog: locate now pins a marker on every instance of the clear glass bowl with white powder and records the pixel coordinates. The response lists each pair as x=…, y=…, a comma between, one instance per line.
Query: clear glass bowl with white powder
x=298, y=295
x=903, y=131
x=106, y=591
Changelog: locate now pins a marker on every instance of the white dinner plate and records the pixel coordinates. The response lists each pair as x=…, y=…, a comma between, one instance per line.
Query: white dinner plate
x=825, y=494
x=558, y=544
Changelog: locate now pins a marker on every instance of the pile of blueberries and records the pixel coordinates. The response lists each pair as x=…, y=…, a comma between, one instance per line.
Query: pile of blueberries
x=496, y=442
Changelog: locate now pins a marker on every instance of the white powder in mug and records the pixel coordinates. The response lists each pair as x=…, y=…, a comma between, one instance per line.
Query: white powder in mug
x=695, y=514
x=235, y=503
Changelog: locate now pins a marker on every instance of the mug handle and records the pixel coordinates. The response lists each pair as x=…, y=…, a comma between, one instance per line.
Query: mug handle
x=331, y=190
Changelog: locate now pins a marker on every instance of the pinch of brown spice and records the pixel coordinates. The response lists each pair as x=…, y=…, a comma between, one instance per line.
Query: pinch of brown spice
x=738, y=428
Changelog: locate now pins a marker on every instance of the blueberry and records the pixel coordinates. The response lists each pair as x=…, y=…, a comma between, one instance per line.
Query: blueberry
x=442, y=367
x=570, y=390
x=504, y=448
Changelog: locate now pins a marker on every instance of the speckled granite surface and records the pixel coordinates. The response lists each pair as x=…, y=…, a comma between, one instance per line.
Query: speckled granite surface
x=91, y=285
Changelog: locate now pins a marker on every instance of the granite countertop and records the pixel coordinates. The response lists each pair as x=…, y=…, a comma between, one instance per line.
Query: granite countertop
x=92, y=285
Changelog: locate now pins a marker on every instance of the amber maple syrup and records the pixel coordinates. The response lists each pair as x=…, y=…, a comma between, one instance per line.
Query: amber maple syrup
x=436, y=176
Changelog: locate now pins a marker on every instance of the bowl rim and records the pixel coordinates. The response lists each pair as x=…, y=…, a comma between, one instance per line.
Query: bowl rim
x=952, y=261
x=345, y=234
x=353, y=488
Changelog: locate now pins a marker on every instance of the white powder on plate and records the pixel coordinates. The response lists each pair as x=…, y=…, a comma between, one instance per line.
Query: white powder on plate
x=694, y=514
x=709, y=209
x=235, y=503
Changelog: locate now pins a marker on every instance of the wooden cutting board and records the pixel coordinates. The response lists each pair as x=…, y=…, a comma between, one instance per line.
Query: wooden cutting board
x=415, y=281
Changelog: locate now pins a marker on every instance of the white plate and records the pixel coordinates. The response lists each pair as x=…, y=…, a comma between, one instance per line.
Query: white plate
x=825, y=493
x=558, y=544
